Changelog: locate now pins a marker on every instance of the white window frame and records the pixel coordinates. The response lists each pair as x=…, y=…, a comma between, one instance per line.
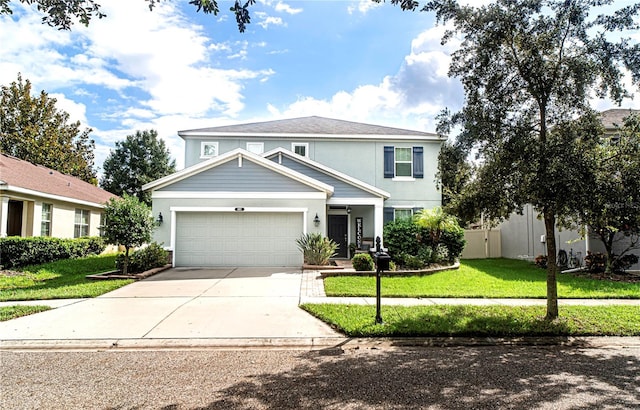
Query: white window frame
x=205, y=144
x=396, y=162
x=294, y=145
x=81, y=229
x=46, y=221
x=395, y=212
x=259, y=151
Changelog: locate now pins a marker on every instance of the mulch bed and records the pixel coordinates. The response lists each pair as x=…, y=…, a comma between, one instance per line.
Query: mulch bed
x=628, y=277
x=137, y=276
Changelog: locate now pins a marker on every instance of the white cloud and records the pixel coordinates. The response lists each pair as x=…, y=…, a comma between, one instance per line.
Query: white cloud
x=363, y=6
x=282, y=7
x=266, y=20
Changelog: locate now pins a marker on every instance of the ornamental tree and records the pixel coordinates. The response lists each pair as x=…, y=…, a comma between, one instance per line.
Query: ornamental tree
x=128, y=223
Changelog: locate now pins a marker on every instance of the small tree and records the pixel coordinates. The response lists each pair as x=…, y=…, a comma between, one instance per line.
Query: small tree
x=128, y=223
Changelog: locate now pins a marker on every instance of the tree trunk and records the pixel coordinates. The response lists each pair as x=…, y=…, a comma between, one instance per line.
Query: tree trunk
x=125, y=264
x=552, y=286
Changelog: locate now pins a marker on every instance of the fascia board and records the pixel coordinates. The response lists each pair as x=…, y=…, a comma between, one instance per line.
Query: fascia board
x=302, y=136
x=330, y=171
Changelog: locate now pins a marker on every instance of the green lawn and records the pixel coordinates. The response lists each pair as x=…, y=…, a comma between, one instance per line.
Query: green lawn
x=482, y=278
x=12, y=312
x=63, y=279
x=481, y=321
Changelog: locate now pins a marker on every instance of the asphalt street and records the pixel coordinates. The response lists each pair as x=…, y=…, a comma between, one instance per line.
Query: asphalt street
x=349, y=377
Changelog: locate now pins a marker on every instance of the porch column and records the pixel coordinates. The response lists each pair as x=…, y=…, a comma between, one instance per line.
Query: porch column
x=4, y=216
x=378, y=217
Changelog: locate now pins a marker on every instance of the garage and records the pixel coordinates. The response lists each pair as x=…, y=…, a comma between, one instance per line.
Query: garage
x=238, y=238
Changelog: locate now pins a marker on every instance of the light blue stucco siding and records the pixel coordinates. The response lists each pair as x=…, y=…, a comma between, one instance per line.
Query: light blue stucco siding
x=341, y=188
x=230, y=177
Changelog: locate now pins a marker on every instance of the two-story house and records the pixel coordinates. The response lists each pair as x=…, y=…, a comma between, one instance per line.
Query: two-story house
x=248, y=191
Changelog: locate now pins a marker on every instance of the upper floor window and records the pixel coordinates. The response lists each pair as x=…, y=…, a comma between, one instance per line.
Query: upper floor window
x=45, y=224
x=300, y=148
x=208, y=149
x=255, y=147
x=81, y=224
x=403, y=162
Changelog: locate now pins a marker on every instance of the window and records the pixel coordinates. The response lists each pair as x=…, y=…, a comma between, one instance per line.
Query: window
x=400, y=213
x=45, y=224
x=300, y=148
x=404, y=163
x=255, y=147
x=81, y=225
x=208, y=149
x=102, y=222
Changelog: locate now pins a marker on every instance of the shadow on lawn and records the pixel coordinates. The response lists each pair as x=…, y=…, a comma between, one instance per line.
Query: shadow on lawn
x=454, y=378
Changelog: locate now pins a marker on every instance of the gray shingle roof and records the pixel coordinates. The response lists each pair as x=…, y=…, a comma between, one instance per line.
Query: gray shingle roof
x=310, y=125
x=615, y=117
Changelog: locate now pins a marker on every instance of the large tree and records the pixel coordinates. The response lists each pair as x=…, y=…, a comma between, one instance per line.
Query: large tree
x=33, y=129
x=528, y=67
x=63, y=13
x=139, y=159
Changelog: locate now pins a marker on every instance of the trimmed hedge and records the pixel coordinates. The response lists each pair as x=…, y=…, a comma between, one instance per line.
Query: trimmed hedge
x=16, y=251
x=152, y=256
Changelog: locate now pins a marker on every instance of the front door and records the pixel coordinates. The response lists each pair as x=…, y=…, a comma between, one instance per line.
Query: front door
x=338, y=233
x=14, y=218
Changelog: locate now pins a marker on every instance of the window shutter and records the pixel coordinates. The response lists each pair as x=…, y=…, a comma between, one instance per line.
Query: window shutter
x=418, y=162
x=388, y=163
x=416, y=210
x=387, y=215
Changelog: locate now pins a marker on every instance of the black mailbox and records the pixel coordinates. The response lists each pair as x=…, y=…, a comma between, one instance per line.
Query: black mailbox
x=382, y=260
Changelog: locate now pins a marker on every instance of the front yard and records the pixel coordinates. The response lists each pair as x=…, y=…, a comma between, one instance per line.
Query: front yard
x=483, y=278
x=64, y=279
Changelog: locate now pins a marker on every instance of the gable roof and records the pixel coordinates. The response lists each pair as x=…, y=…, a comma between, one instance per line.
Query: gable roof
x=328, y=171
x=22, y=176
x=615, y=117
x=309, y=127
x=239, y=154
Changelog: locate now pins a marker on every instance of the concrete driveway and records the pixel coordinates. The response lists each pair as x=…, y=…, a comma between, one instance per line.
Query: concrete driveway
x=181, y=303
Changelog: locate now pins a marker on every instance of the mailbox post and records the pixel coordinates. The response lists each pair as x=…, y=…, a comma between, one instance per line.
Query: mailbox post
x=382, y=259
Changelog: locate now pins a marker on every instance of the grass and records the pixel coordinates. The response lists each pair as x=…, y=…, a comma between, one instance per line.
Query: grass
x=64, y=279
x=483, y=278
x=480, y=321
x=12, y=312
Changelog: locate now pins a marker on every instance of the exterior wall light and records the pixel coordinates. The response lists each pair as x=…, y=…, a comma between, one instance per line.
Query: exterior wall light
x=160, y=219
x=316, y=220
x=348, y=209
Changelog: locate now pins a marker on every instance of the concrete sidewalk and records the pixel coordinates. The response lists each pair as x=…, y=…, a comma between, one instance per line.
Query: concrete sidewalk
x=207, y=307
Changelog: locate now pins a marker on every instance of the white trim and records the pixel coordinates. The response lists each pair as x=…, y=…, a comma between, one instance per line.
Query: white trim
x=354, y=201
x=284, y=136
x=331, y=172
x=300, y=144
x=239, y=195
x=204, y=144
x=258, y=144
x=233, y=209
x=228, y=156
x=8, y=190
x=403, y=179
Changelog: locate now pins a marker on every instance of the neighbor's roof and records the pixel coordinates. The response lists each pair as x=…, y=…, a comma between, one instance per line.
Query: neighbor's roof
x=615, y=117
x=16, y=174
x=312, y=126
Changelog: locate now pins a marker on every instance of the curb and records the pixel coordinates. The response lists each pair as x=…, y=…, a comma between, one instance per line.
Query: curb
x=314, y=344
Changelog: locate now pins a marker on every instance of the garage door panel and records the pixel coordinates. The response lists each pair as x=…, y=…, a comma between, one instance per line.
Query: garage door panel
x=238, y=239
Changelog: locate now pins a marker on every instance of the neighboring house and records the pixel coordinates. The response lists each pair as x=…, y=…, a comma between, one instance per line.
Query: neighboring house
x=250, y=190
x=523, y=236
x=38, y=201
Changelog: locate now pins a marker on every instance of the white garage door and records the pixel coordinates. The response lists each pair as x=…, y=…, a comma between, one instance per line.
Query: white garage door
x=238, y=239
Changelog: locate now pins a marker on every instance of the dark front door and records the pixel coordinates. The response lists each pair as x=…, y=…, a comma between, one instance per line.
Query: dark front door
x=338, y=233
x=14, y=218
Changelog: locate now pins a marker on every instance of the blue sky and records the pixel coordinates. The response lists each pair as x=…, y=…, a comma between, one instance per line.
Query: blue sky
x=174, y=69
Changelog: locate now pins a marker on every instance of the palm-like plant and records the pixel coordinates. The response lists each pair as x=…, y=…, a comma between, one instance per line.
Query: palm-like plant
x=317, y=250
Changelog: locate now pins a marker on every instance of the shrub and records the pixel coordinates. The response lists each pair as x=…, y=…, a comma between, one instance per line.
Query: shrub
x=541, y=261
x=595, y=262
x=316, y=249
x=625, y=262
x=18, y=251
x=403, y=236
x=454, y=242
x=412, y=262
x=152, y=256
x=362, y=262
